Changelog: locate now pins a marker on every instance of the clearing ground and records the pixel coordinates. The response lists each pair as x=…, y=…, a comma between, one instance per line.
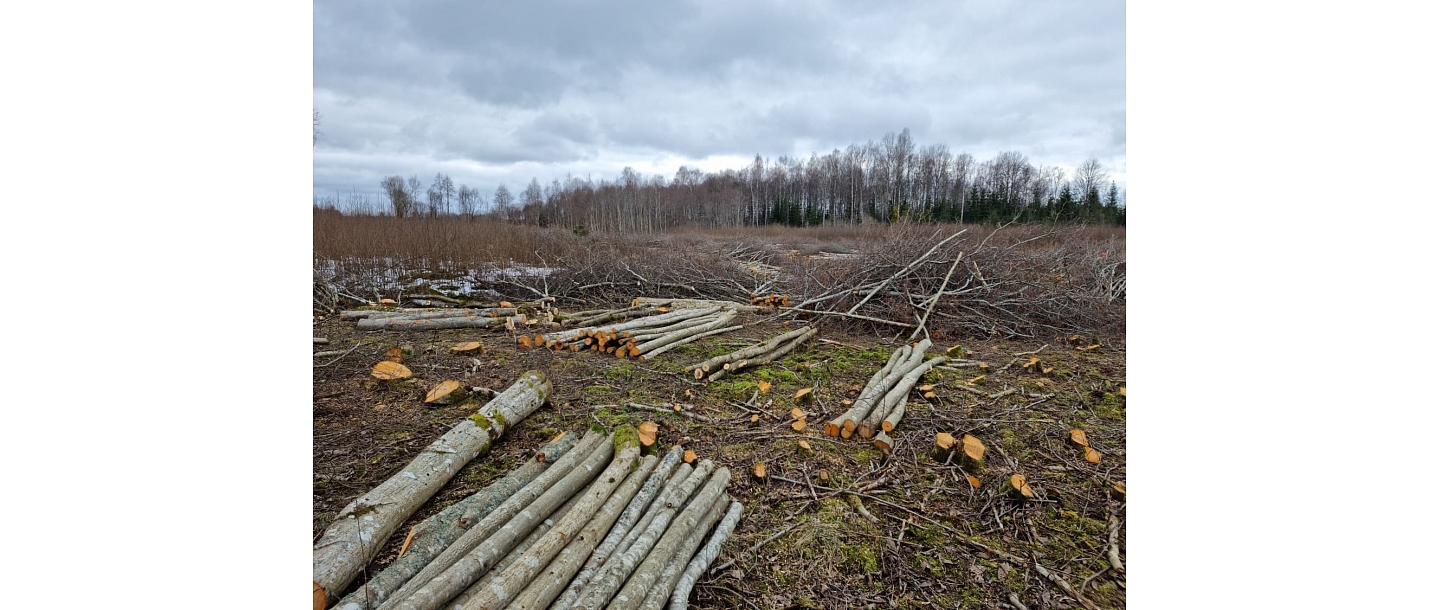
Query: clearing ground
x=906, y=531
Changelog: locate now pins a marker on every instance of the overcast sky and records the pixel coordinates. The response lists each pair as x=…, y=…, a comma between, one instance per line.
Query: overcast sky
x=493, y=92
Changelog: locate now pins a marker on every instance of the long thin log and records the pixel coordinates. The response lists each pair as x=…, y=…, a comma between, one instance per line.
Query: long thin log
x=545, y=587
x=680, y=597
x=434, y=593
x=615, y=314
x=677, y=335
x=515, y=578
x=936, y=298
x=651, y=333
x=648, y=572
x=362, y=527
x=419, y=314
x=833, y=427
x=622, y=564
x=430, y=323
x=437, y=532
x=753, y=350
x=866, y=403
x=896, y=395
x=659, y=592
x=646, y=322
x=671, y=501
x=514, y=555
x=627, y=520
x=503, y=514
x=893, y=419
x=693, y=303
x=695, y=337
x=780, y=352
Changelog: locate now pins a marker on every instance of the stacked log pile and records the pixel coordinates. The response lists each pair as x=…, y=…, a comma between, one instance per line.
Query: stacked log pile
x=755, y=355
x=881, y=404
x=438, y=318
x=585, y=524
x=643, y=330
x=361, y=528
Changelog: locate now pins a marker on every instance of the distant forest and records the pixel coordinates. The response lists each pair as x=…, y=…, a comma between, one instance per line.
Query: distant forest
x=884, y=181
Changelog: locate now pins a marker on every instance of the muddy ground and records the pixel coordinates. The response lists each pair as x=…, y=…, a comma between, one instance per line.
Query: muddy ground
x=835, y=557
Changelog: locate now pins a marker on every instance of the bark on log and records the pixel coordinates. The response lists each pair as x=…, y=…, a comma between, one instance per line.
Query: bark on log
x=362, y=527
x=437, y=532
x=503, y=513
x=832, y=427
x=679, y=598
x=754, y=350
x=515, y=578
x=646, y=334
x=627, y=521
x=456, y=578
x=673, y=336
x=893, y=419
x=430, y=323
x=659, y=592
x=419, y=314
x=618, y=569
x=648, y=572
x=767, y=357
x=514, y=555
x=884, y=443
x=697, y=303
x=543, y=589
x=695, y=337
x=896, y=395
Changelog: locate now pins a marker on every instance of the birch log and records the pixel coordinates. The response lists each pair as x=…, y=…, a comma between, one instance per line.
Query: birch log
x=648, y=572
x=676, y=335
x=523, y=586
x=896, y=395
x=634, y=512
x=618, y=569
x=754, y=350
x=867, y=402
x=734, y=367
x=468, y=569
x=503, y=514
x=429, y=323
x=437, y=532
x=694, y=337
x=420, y=314
x=362, y=527
x=660, y=591
x=834, y=426
x=679, y=598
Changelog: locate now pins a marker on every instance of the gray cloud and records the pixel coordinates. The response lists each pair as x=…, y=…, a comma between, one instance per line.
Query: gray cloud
x=492, y=91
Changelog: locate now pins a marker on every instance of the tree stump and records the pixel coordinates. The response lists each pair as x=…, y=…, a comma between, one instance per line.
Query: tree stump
x=944, y=444
x=1016, y=486
x=471, y=348
x=972, y=453
x=447, y=392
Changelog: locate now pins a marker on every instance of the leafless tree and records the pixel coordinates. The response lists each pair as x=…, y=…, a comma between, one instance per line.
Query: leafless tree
x=467, y=199
x=504, y=202
x=1089, y=177
x=400, y=201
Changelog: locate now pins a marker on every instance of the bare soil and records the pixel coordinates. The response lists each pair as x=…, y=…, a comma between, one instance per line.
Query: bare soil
x=835, y=558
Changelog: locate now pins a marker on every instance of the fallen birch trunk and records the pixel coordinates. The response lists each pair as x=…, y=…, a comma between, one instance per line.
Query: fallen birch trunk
x=647, y=573
x=782, y=351
x=537, y=589
x=457, y=577
x=628, y=519
x=754, y=350
x=694, y=337
x=503, y=514
x=659, y=593
x=362, y=527
x=696, y=303
x=833, y=427
x=673, y=336
x=623, y=563
x=437, y=532
x=429, y=323
x=896, y=395
x=679, y=598
x=869, y=401
x=419, y=314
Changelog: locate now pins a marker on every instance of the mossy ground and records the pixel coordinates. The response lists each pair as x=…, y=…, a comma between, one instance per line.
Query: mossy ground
x=363, y=433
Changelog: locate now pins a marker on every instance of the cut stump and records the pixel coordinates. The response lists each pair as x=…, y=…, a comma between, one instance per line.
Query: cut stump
x=447, y=392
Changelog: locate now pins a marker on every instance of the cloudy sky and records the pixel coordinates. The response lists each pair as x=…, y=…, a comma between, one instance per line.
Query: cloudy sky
x=499, y=92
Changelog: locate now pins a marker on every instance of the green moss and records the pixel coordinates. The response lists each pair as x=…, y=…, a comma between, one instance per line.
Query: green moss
x=480, y=420
x=623, y=371
x=861, y=553
x=626, y=436
x=804, y=601
x=598, y=389
x=1111, y=407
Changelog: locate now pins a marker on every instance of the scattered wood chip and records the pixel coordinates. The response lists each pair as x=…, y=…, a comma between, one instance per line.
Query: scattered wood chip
x=955, y=352
x=754, y=418
x=387, y=370
x=926, y=388
x=797, y=413
x=1122, y=391
x=805, y=395
x=647, y=432
x=847, y=402
x=388, y=302
x=1016, y=486
x=799, y=425
x=759, y=470
x=764, y=387
x=690, y=456
x=1047, y=370
x=929, y=395
x=506, y=304
x=1088, y=348
x=447, y=392
x=975, y=380
x=974, y=482
x=678, y=408
x=405, y=546
x=468, y=347
x=804, y=445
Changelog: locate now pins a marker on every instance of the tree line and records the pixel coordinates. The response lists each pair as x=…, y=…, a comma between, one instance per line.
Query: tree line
x=884, y=181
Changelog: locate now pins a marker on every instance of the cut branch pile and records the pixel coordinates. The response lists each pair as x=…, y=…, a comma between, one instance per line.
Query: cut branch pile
x=881, y=404
x=592, y=524
x=643, y=330
x=754, y=355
